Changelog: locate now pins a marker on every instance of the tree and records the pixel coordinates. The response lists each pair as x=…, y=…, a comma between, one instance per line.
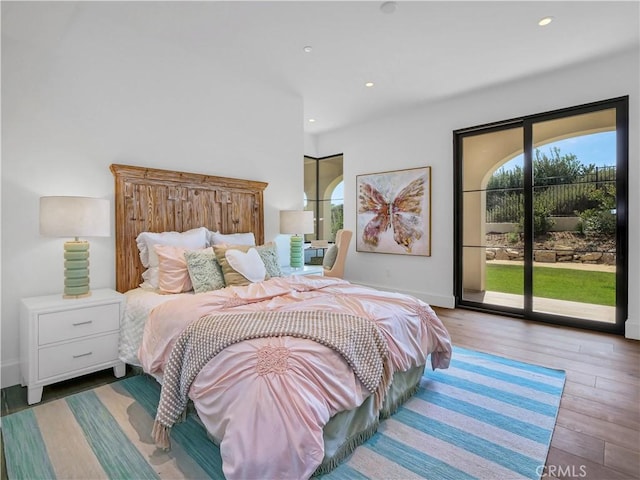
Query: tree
x=556, y=169
x=337, y=220
x=552, y=169
x=552, y=172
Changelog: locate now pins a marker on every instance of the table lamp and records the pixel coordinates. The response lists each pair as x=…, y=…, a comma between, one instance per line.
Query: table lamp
x=75, y=217
x=296, y=222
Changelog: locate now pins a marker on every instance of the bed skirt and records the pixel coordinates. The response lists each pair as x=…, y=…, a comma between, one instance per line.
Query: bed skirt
x=349, y=429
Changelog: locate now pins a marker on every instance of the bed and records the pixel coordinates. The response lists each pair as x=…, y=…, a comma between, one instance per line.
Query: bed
x=287, y=373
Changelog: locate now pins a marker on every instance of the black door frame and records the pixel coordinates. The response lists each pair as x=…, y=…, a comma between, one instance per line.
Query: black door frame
x=621, y=104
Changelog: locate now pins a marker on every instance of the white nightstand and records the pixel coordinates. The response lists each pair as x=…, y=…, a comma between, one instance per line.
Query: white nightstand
x=306, y=270
x=65, y=338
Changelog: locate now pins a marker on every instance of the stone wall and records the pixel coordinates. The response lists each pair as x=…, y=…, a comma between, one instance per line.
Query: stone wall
x=558, y=254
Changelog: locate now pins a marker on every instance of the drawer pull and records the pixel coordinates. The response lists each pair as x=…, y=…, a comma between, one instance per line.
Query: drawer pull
x=83, y=355
x=82, y=323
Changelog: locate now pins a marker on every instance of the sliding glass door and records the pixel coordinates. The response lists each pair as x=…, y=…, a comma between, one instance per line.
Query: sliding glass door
x=492, y=209
x=541, y=222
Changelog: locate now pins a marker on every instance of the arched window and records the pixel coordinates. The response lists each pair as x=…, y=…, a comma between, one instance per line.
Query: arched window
x=324, y=195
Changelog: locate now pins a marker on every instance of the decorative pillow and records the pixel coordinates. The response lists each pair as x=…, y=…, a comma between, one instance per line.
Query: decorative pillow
x=241, y=264
x=330, y=256
x=269, y=254
x=283, y=244
x=217, y=238
x=204, y=270
x=191, y=239
x=173, y=275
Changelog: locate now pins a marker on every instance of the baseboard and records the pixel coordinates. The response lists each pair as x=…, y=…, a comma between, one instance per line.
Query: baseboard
x=10, y=373
x=433, y=300
x=632, y=329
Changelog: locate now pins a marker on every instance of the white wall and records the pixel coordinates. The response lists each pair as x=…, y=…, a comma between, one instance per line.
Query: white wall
x=79, y=96
x=310, y=147
x=423, y=136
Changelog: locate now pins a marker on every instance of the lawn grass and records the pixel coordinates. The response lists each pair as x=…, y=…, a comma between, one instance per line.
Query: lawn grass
x=583, y=286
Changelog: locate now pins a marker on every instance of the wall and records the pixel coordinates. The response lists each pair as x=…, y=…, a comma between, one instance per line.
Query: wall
x=78, y=95
x=560, y=224
x=423, y=136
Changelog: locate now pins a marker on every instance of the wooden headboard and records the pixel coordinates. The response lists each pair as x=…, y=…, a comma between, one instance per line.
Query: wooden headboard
x=154, y=200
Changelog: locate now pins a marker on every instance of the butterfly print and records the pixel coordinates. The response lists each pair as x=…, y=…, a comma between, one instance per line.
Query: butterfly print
x=402, y=214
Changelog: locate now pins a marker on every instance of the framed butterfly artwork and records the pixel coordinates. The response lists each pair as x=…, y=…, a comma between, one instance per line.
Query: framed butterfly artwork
x=394, y=212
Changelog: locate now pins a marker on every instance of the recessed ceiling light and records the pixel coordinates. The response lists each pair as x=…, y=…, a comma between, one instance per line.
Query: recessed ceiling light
x=545, y=21
x=369, y=84
x=388, y=7
x=311, y=120
x=308, y=49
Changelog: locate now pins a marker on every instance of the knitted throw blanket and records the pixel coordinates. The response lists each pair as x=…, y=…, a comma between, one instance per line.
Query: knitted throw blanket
x=357, y=339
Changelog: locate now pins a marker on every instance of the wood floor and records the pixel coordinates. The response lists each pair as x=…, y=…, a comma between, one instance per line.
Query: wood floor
x=597, y=435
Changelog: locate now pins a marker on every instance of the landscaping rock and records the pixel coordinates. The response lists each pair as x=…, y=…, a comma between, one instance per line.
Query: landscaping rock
x=513, y=254
x=591, y=257
x=546, y=256
x=564, y=250
x=555, y=247
x=501, y=255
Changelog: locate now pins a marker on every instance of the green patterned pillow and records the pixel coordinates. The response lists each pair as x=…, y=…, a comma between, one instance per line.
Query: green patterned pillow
x=204, y=270
x=269, y=254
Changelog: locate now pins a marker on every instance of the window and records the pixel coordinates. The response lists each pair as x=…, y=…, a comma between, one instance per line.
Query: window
x=324, y=195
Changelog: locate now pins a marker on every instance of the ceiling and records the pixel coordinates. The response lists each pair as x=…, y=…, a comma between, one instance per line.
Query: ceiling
x=421, y=52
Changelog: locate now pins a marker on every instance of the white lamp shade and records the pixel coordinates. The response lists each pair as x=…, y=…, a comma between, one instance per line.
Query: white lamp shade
x=296, y=222
x=74, y=217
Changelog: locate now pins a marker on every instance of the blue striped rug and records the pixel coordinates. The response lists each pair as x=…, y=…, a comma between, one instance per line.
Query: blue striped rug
x=484, y=417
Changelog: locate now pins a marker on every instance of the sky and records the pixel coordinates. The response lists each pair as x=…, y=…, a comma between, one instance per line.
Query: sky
x=337, y=196
x=597, y=148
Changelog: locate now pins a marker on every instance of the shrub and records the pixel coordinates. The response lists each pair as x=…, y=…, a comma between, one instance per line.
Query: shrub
x=597, y=222
x=542, y=221
x=600, y=220
x=513, y=237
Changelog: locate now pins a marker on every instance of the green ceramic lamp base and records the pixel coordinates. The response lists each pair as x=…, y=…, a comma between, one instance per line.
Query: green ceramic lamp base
x=297, y=258
x=76, y=269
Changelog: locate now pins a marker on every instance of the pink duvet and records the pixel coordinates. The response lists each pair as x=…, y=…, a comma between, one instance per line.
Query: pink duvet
x=268, y=413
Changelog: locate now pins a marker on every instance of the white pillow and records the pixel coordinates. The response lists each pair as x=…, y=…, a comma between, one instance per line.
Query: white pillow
x=248, y=264
x=283, y=243
x=217, y=238
x=193, y=239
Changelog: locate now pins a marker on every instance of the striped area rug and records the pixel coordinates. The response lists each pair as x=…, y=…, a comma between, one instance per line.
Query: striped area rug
x=484, y=417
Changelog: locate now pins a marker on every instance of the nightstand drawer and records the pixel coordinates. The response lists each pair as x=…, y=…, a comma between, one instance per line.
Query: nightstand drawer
x=76, y=355
x=81, y=322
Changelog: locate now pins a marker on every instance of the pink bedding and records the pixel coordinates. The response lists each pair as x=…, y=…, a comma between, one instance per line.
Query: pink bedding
x=268, y=414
